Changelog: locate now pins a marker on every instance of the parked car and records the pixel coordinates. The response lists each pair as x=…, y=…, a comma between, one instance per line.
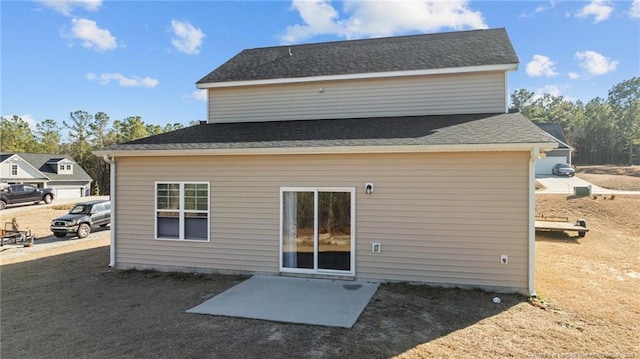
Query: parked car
x=563, y=169
x=82, y=218
x=24, y=193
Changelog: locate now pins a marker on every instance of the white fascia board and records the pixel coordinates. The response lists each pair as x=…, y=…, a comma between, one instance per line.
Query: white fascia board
x=560, y=142
x=508, y=147
x=61, y=160
x=12, y=157
x=16, y=158
x=370, y=75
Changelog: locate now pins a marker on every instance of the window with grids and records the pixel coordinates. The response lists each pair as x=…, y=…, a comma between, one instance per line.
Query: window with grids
x=14, y=170
x=182, y=210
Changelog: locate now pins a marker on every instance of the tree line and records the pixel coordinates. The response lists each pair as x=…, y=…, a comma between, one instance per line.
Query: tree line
x=86, y=133
x=602, y=131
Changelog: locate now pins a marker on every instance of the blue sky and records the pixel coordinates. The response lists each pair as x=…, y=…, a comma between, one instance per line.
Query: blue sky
x=142, y=58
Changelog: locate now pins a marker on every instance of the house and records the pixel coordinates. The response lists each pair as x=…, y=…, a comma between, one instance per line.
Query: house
x=388, y=159
x=59, y=172
x=562, y=154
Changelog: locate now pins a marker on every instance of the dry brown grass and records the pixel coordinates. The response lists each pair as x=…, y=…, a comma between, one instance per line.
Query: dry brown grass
x=36, y=218
x=588, y=288
x=633, y=171
x=624, y=178
x=594, y=281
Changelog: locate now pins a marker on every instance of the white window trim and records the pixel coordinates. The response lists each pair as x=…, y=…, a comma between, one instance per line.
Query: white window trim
x=315, y=191
x=17, y=170
x=181, y=212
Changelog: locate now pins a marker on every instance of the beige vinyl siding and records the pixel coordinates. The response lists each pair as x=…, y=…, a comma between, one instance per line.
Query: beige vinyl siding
x=403, y=96
x=441, y=218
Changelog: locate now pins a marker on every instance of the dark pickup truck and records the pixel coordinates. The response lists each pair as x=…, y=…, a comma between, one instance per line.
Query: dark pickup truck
x=81, y=218
x=23, y=193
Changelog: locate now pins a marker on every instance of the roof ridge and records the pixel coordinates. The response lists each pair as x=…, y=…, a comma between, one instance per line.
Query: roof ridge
x=477, y=49
x=372, y=39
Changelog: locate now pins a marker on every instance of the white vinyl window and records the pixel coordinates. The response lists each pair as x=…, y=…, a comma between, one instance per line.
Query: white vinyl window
x=14, y=170
x=182, y=211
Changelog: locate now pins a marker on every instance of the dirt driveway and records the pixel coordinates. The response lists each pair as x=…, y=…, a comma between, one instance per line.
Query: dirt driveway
x=37, y=218
x=70, y=305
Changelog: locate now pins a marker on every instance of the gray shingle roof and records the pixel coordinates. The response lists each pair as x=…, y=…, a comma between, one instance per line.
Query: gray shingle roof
x=383, y=131
x=554, y=130
x=402, y=53
x=39, y=162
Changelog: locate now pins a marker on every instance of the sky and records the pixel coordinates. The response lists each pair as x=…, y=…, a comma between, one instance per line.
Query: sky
x=143, y=58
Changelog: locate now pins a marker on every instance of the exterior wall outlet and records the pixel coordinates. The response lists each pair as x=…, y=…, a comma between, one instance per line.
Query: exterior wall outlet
x=375, y=247
x=504, y=259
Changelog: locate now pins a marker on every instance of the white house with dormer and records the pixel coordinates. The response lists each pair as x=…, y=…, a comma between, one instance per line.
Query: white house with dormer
x=59, y=172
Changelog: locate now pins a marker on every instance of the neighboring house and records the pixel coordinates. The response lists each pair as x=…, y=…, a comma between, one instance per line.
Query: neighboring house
x=389, y=159
x=562, y=154
x=59, y=172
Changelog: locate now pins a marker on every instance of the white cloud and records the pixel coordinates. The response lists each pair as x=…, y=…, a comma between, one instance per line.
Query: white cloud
x=541, y=66
x=186, y=38
x=599, y=9
x=551, y=5
x=32, y=122
x=595, y=63
x=540, y=9
x=122, y=80
x=200, y=95
x=634, y=10
x=574, y=75
x=65, y=7
x=553, y=90
x=379, y=18
x=93, y=37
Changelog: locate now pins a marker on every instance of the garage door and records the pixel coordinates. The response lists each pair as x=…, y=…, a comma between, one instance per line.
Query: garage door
x=545, y=165
x=68, y=192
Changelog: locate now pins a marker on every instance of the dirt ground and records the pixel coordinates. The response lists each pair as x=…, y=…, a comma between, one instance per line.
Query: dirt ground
x=68, y=303
x=625, y=178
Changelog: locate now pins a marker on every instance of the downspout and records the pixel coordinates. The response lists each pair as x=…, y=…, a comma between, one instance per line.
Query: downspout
x=112, y=196
x=535, y=152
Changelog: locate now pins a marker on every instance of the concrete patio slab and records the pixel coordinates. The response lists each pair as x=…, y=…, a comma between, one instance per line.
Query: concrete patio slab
x=333, y=303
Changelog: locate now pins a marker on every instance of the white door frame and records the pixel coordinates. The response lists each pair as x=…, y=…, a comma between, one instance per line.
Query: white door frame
x=316, y=270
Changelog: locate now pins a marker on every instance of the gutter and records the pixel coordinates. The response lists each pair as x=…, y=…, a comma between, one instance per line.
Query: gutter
x=112, y=190
x=160, y=150
x=535, y=152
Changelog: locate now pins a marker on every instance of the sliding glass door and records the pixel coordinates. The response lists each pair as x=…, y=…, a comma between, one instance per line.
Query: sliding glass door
x=317, y=230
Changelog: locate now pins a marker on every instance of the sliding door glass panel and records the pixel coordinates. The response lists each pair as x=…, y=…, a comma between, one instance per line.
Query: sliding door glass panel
x=297, y=230
x=334, y=230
